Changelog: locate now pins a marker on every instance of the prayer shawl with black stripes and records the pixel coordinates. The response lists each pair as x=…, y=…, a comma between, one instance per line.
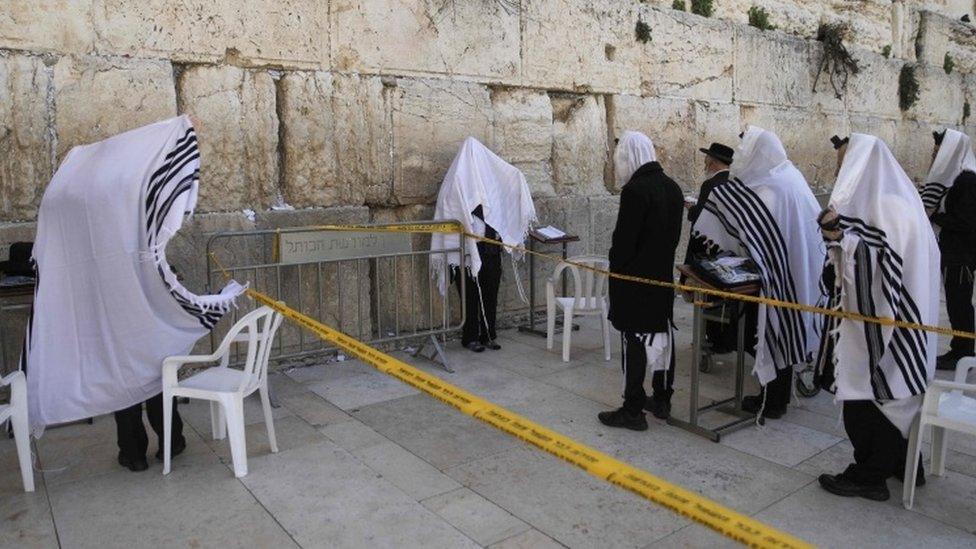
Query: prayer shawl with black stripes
x=887, y=265
x=955, y=155
x=108, y=308
x=767, y=212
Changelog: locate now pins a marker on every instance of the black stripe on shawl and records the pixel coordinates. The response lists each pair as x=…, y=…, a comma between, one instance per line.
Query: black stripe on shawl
x=753, y=219
x=907, y=346
x=863, y=279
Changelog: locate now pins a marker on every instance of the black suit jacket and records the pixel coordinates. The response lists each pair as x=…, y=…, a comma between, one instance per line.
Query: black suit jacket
x=695, y=247
x=706, y=189
x=644, y=241
x=957, y=240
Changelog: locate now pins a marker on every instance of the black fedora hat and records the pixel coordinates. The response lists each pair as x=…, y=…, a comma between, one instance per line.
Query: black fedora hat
x=720, y=152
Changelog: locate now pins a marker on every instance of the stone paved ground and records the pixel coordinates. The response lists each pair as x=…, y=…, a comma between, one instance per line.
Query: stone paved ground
x=365, y=461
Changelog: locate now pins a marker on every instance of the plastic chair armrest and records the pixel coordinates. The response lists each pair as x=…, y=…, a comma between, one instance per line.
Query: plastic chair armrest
x=14, y=379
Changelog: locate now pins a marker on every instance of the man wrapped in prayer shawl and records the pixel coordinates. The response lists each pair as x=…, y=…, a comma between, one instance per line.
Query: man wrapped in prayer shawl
x=886, y=263
x=644, y=240
x=108, y=307
x=766, y=212
x=490, y=198
x=949, y=197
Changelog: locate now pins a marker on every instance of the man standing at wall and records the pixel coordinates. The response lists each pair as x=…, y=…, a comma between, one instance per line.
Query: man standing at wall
x=644, y=241
x=950, y=200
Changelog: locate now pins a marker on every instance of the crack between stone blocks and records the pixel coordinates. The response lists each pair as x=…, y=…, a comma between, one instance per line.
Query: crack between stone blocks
x=280, y=184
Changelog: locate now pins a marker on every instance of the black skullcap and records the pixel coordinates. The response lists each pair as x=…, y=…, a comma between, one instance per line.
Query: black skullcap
x=838, y=142
x=938, y=137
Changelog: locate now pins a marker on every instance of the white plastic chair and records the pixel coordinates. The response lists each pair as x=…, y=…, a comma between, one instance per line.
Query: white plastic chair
x=16, y=412
x=589, y=299
x=226, y=387
x=946, y=407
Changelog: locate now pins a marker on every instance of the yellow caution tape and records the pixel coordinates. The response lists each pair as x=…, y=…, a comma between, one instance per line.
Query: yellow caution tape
x=884, y=321
x=432, y=227
x=690, y=504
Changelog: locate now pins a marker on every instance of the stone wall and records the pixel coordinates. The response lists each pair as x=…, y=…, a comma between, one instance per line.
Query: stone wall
x=327, y=105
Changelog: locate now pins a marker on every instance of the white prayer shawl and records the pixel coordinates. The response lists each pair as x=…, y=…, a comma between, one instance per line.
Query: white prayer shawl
x=955, y=155
x=108, y=308
x=634, y=149
x=887, y=265
x=479, y=177
x=767, y=212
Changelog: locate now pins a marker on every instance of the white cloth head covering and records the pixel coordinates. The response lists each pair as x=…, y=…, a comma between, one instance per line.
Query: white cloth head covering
x=887, y=265
x=634, y=149
x=955, y=155
x=479, y=177
x=767, y=212
x=108, y=308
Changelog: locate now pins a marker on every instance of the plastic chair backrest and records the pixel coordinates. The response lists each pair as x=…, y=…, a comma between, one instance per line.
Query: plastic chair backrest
x=589, y=287
x=261, y=325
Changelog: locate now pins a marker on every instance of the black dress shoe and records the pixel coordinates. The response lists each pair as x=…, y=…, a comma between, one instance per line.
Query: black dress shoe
x=752, y=404
x=624, y=419
x=135, y=464
x=841, y=485
x=658, y=407
x=475, y=347
x=492, y=344
x=176, y=448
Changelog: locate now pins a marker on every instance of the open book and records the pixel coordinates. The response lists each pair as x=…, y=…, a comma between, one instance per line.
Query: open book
x=550, y=232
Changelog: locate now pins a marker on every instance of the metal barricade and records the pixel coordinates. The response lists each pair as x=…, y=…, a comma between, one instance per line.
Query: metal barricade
x=376, y=286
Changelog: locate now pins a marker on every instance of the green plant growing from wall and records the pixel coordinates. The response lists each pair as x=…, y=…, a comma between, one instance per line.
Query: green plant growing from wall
x=702, y=7
x=837, y=62
x=965, y=111
x=907, y=87
x=642, y=32
x=678, y=5
x=948, y=63
x=759, y=18
x=886, y=51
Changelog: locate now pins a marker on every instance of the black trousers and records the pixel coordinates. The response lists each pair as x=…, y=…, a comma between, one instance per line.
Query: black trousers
x=879, y=448
x=958, y=281
x=634, y=363
x=479, y=325
x=779, y=390
x=131, y=431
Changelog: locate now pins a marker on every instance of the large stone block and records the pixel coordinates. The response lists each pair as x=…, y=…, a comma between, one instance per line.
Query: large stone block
x=309, y=177
x=913, y=146
x=940, y=98
x=289, y=32
x=523, y=134
x=689, y=56
x=581, y=44
x=806, y=137
x=97, y=97
x=478, y=39
x=772, y=68
x=363, y=109
x=579, y=151
x=882, y=128
x=669, y=123
x=25, y=142
x=874, y=89
x=870, y=20
x=431, y=118
x=63, y=26
x=939, y=35
x=238, y=132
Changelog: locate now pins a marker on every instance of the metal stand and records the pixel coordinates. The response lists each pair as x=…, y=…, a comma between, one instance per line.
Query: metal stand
x=530, y=327
x=731, y=406
x=436, y=356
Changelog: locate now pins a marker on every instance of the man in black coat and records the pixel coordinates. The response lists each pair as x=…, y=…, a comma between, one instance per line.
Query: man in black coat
x=957, y=242
x=718, y=157
x=644, y=242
